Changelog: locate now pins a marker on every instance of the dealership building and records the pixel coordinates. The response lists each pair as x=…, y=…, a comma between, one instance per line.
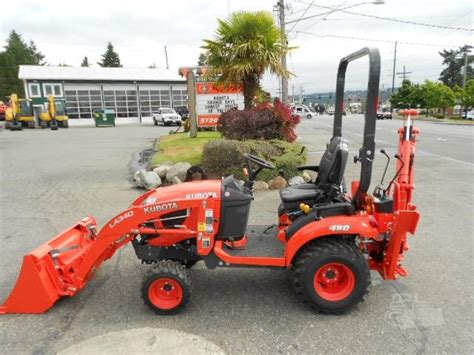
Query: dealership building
x=132, y=93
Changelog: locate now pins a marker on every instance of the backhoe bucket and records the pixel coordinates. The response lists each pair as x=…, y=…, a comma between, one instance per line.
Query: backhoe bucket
x=49, y=272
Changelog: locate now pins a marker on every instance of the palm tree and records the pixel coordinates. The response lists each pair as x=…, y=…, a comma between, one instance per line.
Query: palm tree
x=246, y=44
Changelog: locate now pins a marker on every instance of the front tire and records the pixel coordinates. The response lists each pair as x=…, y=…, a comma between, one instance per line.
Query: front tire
x=331, y=274
x=166, y=288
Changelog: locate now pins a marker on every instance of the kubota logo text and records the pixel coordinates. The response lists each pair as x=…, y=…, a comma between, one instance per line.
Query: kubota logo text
x=201, y=195
x=161, y=207
x=120, y=219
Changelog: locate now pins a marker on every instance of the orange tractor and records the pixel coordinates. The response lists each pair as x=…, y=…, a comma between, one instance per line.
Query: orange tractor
x=327, y=238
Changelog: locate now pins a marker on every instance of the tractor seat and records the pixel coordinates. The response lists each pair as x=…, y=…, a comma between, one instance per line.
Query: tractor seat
x=292, y=197
x=330, y=175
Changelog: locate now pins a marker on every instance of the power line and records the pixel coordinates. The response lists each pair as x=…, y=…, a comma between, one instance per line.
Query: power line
x=393, y=19
x=327, y=14
x=302, y=15
x=379, y=40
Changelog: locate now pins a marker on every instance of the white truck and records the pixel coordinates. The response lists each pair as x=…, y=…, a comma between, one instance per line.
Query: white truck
x=304, y=111
x=166, y=116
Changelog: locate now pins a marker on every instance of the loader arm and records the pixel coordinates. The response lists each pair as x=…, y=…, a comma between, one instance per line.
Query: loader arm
x=63, y=265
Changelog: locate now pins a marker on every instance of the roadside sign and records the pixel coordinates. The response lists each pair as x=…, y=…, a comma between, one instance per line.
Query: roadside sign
x=213, y=99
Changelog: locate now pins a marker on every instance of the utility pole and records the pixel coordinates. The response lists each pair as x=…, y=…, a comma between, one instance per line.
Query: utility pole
x=394, y=67
x=464, y=76
x=404, y=73
x=166, y=56
x=293, y=93
x=393, y=72
x=301, y=94
x=284, y=80
x=465, y=69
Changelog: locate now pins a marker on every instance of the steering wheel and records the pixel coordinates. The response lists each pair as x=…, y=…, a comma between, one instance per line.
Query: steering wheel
x=259, y=161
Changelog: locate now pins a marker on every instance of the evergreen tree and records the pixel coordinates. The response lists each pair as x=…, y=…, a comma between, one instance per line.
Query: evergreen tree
x=85, y=62
x=110, y=58
x=202, y=59
x=453, y=60
x=9, y=82
x=17, y=52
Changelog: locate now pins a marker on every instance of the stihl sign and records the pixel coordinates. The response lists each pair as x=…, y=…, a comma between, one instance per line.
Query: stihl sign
x=213, y=99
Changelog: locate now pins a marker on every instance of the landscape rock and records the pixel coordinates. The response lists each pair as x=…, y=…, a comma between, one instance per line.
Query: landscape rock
x=162, y=170
x=296, y=180
x=277, y=183
x=176, y=180
x=149, y=179
x=135, y=179
x=179, y=170
x=260, y=186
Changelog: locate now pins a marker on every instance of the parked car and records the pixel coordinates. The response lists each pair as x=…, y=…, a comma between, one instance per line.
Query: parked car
x=331, y=112
x=384, y=115
x=183, y=112
x=468, y=115
x=166, y=116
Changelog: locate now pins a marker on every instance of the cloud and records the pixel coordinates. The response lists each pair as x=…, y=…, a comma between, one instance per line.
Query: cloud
x=67, y=31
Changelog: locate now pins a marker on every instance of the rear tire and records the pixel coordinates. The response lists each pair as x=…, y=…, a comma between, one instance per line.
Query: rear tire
x=331, y=274
x=166, y=287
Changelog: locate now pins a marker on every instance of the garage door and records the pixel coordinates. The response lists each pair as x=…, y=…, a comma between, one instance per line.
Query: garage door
x=122, y=99
x=82, y=100
x=153, y=97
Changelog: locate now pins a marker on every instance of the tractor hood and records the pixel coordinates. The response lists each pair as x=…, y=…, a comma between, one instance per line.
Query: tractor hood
x=193, y=190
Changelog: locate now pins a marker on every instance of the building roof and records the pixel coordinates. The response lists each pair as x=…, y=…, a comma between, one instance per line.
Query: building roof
x=40, y=72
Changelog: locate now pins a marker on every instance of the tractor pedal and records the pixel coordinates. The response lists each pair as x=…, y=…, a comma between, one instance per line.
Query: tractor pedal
x=240, y=244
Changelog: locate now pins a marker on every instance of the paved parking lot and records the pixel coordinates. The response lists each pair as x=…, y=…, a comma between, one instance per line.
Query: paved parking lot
x=49, y=180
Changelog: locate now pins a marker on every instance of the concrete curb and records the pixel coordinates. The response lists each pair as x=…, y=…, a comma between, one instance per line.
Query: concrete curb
x=145, y=341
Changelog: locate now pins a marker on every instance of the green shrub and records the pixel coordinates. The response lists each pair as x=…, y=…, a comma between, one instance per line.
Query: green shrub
x=225, y=157
x=439, y=116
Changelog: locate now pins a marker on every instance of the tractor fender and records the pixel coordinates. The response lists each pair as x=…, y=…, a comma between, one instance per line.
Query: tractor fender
x=337, y=225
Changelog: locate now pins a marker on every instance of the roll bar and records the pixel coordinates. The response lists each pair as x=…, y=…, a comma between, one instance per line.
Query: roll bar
x=366, y=152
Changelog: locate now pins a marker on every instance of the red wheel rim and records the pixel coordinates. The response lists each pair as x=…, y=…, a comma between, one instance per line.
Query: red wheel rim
x=334, y=282
x=165, y=293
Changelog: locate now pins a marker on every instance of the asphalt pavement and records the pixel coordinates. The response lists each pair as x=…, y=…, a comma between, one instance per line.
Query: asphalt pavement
x=49, y=180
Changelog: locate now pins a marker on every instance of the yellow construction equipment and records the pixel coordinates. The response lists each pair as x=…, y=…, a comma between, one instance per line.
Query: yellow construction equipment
x=19, y=113
x=54, y=114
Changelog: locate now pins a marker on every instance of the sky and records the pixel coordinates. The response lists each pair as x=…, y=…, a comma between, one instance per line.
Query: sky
x=66, y=31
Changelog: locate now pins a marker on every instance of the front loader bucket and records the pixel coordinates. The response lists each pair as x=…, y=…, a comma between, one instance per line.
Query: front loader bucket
x=49, y=272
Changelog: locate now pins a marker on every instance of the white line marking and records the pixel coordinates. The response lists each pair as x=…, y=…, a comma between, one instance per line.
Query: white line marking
x=441, y=139
x=419, y=150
